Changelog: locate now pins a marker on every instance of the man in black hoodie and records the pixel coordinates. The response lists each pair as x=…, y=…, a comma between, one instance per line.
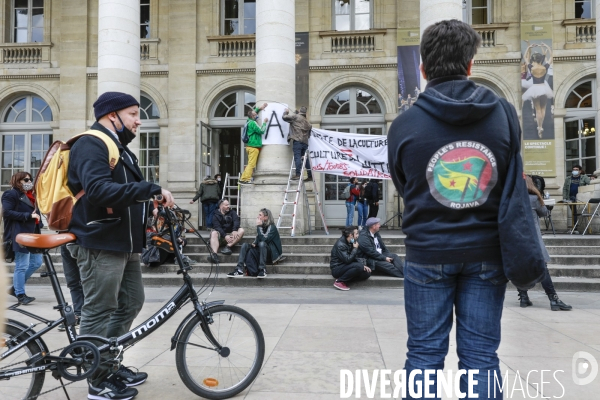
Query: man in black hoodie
x=457, y=137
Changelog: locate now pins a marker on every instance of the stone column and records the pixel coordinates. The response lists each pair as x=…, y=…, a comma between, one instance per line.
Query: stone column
x=119, y=49
x=275, y=82
x=275, y=76
x=433, y=11
x=597, y=172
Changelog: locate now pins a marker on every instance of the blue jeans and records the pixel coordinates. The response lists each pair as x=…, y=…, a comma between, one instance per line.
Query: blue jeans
x=363, y=211
x=475, y=292
x=25, y=265
x=349, y=213
x=209, y=209
x=299, y=151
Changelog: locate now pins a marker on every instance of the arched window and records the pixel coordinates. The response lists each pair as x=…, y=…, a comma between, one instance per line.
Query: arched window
x=351, y=110
x=580, y=127
x=149, y=139
x=26, y=136
x=234, y=105
x=352, y=101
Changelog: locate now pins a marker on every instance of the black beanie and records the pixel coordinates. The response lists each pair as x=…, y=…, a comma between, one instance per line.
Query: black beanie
x=113, y=101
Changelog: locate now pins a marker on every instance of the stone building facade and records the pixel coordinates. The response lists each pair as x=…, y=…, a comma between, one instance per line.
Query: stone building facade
x=198, y=76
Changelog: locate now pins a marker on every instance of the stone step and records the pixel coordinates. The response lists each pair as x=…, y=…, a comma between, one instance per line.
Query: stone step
x=292, y=268
x=296, y=280
x=573, y=250
x=574, y=260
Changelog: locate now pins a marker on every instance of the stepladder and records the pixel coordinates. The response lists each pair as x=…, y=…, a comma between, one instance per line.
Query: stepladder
x=295, y=193
x=232, y=192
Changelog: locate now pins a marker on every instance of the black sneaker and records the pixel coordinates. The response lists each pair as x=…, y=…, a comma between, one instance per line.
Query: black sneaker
x=11, y=291
x=24, y=299
x=295, y=178
x=226, y=250
x=130, y=378
x=213, y=258
x=112, y=389
x=261, y=274
x=235, y=274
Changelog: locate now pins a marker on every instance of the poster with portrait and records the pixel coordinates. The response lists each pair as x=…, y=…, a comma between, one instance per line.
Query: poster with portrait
x=537, y=89
x=409, y=76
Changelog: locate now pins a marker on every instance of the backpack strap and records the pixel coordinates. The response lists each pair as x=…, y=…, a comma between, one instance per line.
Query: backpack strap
x=113, y=150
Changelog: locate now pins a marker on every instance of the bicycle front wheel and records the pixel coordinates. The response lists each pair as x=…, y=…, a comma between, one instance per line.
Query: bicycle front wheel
x=26, y=386
x=221, y=375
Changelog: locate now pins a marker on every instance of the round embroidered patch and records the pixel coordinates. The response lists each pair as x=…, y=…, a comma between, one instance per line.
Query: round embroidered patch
x=462, y=174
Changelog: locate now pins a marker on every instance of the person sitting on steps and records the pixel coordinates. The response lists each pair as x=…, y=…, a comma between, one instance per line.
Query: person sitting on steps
x=379, y=259
x=345, y=265
x=265, y=248
x=227, y=231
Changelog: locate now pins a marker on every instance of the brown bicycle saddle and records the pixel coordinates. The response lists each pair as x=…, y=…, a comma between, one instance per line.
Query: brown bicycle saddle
x=39, y=241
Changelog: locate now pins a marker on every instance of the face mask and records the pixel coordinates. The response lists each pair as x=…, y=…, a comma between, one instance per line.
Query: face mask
x=218, y=179
x=125, y=135
x=352, y=240
x=28, y=186
x=575, y=173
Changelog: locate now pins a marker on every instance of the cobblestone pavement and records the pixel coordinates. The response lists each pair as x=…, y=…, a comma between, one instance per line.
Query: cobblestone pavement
x=312, y=334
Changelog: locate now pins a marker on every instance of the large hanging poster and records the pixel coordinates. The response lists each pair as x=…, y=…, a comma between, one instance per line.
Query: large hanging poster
x=409, y=59
x=349, y=154
x=537, y=88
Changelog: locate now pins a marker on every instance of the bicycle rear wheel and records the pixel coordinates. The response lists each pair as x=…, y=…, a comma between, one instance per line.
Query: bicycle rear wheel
x=26, y=386
x=215, y=375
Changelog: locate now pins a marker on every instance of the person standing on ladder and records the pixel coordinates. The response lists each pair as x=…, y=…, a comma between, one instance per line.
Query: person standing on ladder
x=254, y=144
x=299, y=133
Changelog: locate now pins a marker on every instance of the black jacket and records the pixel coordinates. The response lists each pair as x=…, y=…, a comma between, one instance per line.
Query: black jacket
x=112, y=213
x=225, y=224
x=16, y=211
x=449, y=158
x=342, y=253
x=366, y=247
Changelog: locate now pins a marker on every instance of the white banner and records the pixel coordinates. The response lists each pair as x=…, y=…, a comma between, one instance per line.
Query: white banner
x=277, y=128
x=349, y=154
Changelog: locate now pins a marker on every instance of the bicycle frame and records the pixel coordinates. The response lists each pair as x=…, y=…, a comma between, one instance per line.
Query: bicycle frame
x=130, y=338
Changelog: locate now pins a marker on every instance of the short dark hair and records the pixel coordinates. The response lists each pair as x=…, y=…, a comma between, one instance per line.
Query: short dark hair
x=574, y=166
x=348, y=230
x=447, y=47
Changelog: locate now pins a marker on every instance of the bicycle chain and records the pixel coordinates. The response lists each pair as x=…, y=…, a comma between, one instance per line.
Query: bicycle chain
x=47, y=391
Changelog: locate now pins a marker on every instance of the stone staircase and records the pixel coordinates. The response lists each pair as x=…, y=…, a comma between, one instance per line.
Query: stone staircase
x=574, y=265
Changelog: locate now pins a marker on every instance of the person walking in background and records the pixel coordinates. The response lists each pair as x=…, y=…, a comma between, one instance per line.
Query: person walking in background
x=372, y=195
x=254, y=144
x=73, y=278
x=208, y=193
x=540, y=210
x=362, y=206
x=345, y=265
x=350, y=194
x=220, y=182
x=299, y=133
x=21, y=215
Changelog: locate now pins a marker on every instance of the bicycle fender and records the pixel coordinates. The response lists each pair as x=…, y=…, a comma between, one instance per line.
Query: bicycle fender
x=188, y=318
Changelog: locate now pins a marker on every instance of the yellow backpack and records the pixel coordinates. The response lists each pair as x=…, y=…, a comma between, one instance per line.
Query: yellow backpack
x=53, y=196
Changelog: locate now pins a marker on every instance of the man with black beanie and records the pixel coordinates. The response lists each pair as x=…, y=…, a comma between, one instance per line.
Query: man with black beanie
x=108, y=221
x=450, y=156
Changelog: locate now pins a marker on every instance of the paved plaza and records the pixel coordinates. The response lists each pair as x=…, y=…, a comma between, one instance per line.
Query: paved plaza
x=312, y=334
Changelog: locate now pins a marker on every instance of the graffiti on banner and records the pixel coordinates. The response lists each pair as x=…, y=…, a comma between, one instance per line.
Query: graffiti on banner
x=349, y=154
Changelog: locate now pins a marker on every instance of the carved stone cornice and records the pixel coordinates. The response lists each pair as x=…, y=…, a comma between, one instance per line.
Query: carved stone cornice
x=41, y=76
x=353, y=66
x=225, y=71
